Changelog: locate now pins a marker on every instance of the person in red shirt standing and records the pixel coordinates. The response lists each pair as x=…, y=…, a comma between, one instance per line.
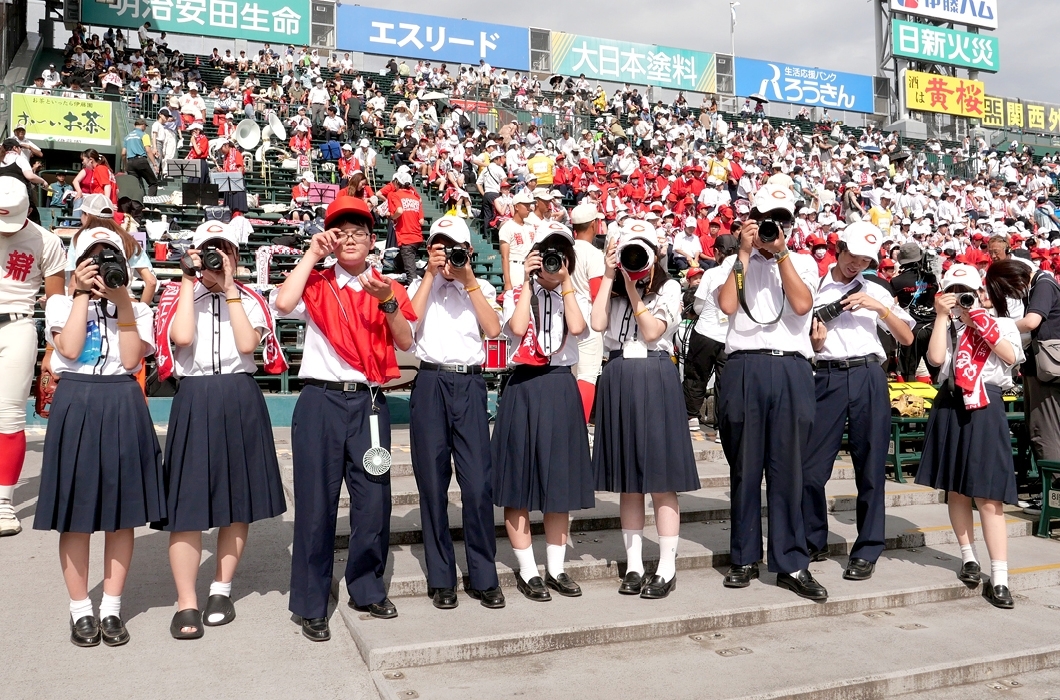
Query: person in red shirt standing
x=200, y=151
x=96, y=177
x=561, y=176
x=406, y=211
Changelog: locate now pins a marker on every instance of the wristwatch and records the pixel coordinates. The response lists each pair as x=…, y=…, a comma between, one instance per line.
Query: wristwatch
x=389, y=306
x=781, y=255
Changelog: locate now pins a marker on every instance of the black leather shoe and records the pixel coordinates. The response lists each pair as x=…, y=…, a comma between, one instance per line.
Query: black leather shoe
x=803, y=585
x=316, y=629
x=534, y=589
x=655, y=587
x=999, y=597
x=85, y=632
x=444, y=598
x=859, y=570
x=492, y=598
x=818, y=554
x=563, y=584
x=631, y=583
x=384, y=609
x=740, y=576
x=113, y=631
x=970, y=573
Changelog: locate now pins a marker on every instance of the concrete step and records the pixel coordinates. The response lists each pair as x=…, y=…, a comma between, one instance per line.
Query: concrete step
x=600, y=555
x=423, y=635
x=704, y=505
x=871, y=646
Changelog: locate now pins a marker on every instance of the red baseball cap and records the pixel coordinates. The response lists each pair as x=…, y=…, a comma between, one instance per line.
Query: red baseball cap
x=348, y=206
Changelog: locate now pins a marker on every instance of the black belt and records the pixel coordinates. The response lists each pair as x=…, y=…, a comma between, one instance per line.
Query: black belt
x=457, y=369
x=137, y=157
x=8, y=318
x=774, y=353
x=848, y=363
x=337, y=386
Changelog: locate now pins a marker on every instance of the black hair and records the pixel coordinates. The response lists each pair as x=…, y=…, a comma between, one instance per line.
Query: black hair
x=1007, y=279
x=562, y=244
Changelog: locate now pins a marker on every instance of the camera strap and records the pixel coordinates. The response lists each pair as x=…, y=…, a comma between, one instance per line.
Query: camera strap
x=738, y=271
x=951, y=381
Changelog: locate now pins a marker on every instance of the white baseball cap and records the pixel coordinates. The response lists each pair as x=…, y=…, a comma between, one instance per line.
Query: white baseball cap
x=962, y=274
x=862, y=238
x=554, y=228
x=772, y=197
x=584, y=213
x=209, y=230
x=543, y=194
x=452, y=227
x=524, y=197
x=633, y=229
x=97, y=205
x=14, y=204
x=92, y=236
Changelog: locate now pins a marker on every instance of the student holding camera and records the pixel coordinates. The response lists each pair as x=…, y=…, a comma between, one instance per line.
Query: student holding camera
x=220, y=460
x=448, y=418
x=642, y=443
x=102, y=466
x=540, y=444
x=850, y=384
x=766, y=406
x=967, y=443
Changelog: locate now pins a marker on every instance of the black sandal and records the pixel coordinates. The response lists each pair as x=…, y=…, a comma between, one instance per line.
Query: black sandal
x=186, y=618
x=218, y=604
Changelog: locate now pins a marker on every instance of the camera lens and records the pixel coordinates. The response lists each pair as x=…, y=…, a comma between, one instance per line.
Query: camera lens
x=966, y=299
x=634, y=258
x=212, y=259
x=457, y=257
x=112, y=268
x=551, y=260
x=768, y=231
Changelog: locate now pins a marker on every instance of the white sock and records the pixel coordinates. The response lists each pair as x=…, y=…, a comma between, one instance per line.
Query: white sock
x=110, y=605
x=667, y=557
x=634, y=542
x=7, y=493
x=527, y=564
x=998, y=573
x=968, y=553
x=218, y=588
x=554, y=556
x=80, y=608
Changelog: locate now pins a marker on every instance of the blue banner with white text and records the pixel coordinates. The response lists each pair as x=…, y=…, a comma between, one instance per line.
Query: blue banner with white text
x=803, y=85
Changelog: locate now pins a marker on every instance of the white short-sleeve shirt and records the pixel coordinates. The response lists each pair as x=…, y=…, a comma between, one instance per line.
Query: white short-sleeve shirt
x=995, y=371
x=665, y=306
x=448, y=332
x=552, y=335
x=213, y=351
x=102, y=323
x=853, y=333
x=26, y=258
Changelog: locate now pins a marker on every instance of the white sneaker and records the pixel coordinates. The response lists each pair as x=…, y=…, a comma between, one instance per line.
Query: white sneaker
x=9, y=524
x=693, y=424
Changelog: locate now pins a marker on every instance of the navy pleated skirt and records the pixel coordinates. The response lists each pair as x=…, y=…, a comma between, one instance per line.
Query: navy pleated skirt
x=102, y=467
x=642, y=443
x=220, y=465
x=969, y=452
x=540, y=445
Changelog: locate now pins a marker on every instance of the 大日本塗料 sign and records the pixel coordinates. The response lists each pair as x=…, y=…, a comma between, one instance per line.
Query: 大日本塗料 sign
x=816, y=87
x=409, y=35
x=925, y=42
x=1030, y=117
x=636, y=64
x=267, y=21
x=927, y=92
x=973, y=13
x=65, y=119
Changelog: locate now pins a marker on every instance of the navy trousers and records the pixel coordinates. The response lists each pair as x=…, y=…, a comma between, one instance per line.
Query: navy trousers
x=857, y=396
x=329, y=436
x=766, y=411
x=449, y=423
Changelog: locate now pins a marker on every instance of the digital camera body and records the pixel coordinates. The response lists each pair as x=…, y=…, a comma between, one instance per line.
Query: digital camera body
x=635, y=256
x=457, y=256
x=552, y=259
x=830, y=312
x=112, y=267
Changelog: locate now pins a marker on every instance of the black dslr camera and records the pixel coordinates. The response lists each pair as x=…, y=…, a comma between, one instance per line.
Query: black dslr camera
x=213, y=257
x=457, y=256
x=832, y=311
x=552, y=260
x=112, y=267
x=769, y=230
x=967, y=300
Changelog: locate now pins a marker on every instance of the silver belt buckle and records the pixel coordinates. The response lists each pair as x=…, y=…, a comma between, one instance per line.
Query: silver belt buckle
x=461, y=369
x=349, y=386
x=776, y=353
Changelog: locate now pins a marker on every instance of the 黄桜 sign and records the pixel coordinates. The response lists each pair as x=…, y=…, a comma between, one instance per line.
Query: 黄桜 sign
x=267, y=21
x=803, y=85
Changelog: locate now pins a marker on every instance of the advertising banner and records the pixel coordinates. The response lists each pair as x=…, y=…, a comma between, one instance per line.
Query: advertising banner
x=1029, y=117
x=636, y=64
x=924, y=42
x=66, y=119
x=409, y=35
x=802, y=85
x=927, y=92
x=267, y=21
x=973, y=13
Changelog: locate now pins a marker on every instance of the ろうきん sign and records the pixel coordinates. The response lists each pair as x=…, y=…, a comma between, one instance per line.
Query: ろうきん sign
x=804, y=85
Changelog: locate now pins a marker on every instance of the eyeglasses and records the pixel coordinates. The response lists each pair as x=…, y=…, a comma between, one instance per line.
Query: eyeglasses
x=355, y=236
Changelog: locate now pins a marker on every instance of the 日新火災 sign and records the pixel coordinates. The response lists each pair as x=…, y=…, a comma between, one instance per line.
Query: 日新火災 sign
x=927, y=92
x=802, y=85
x=267, y=21
x=973, y=13
x=636, y=64
x=408, y=35
x=931, y=44
x=66, y=119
